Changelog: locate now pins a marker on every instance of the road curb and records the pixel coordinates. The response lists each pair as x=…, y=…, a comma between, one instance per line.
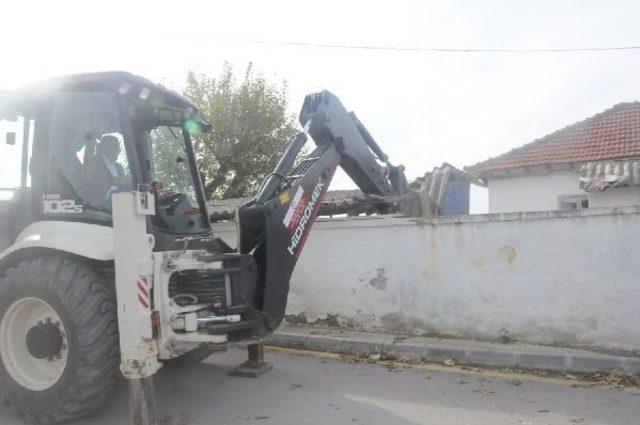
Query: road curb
x=471, y=353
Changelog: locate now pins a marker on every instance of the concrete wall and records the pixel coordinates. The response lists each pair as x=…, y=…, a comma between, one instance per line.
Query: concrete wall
x=531, y=192
x=551, y=277
x=615, y=197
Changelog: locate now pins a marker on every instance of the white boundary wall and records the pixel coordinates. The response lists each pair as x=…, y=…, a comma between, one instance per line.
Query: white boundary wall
x=542, y=277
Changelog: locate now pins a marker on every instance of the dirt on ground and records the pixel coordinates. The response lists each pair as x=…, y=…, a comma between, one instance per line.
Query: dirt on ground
x=616, y=378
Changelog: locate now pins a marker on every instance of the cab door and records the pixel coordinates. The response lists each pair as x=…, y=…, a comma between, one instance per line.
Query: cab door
x=15, y=152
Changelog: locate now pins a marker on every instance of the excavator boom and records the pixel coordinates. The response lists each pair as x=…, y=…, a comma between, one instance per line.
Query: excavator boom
x=274, y=226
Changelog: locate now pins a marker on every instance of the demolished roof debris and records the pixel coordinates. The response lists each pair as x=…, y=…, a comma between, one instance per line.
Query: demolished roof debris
x=434, y=185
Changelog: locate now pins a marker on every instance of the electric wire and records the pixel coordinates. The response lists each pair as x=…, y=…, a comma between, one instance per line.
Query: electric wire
x=411, y=49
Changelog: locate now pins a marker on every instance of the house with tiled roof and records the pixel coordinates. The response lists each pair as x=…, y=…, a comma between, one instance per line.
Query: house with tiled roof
x=590, y=164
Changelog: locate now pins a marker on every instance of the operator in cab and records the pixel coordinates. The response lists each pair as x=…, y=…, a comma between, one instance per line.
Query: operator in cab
x=108, y=175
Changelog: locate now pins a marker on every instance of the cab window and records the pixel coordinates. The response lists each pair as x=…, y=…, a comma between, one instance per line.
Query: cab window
x=15, y=132
x=87, y=159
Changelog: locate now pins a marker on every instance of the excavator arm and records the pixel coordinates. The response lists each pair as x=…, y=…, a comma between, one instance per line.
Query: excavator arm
x=274, y=226
x=361, y=157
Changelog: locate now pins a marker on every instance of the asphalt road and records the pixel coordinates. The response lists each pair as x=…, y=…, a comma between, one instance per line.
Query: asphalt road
x=303, y=390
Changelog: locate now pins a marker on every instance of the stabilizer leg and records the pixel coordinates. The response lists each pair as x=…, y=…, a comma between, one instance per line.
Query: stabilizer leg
x=142, y=401
x=133, y=249
x=255, y=366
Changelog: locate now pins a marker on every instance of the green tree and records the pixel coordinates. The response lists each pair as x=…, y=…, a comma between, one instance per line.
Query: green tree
x=250, y=125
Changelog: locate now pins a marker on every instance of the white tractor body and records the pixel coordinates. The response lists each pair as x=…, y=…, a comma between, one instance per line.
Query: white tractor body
x=83, y=239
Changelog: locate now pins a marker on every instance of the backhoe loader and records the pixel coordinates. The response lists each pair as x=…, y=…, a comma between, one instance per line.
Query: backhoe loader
x=108, y=259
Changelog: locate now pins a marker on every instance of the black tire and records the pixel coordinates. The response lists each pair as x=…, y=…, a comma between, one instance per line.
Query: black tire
x=194, y=356
x=85, y=303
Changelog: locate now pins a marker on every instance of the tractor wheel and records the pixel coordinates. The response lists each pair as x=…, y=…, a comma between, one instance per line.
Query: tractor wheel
x=194, y=356
x=58, y=339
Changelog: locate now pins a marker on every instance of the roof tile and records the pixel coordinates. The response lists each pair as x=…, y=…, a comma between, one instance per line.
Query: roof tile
x=614, y=133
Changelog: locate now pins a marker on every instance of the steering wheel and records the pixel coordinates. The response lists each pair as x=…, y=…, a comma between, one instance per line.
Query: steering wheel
x=171, y=202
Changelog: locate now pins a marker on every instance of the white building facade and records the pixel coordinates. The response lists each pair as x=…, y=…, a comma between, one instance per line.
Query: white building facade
x=556, y=190
x=594, y=163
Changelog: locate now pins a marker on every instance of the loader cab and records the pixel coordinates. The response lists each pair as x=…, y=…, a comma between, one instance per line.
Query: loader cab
x=68, y=144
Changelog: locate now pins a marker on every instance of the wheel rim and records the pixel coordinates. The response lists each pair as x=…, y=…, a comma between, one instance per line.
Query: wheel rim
x=23, y=324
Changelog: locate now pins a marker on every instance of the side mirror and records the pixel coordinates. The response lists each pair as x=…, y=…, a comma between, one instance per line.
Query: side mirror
x=11, y=138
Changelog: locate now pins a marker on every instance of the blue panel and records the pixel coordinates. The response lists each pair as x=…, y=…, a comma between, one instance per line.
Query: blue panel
x=457, y=200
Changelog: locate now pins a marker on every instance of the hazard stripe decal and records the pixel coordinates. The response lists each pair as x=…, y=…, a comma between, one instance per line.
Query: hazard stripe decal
x=143, y=293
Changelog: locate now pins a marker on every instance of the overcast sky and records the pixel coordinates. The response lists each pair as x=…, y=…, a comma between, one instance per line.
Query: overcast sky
x=424, y=108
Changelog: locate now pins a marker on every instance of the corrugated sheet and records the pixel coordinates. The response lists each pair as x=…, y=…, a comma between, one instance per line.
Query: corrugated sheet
x=600, y=175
